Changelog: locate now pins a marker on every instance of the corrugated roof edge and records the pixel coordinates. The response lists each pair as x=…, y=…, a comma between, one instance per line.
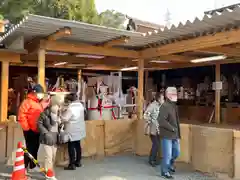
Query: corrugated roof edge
x=197, y=19
x=69, y=23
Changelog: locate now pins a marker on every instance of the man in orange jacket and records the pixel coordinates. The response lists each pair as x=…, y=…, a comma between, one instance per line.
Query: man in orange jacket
x=28, y=115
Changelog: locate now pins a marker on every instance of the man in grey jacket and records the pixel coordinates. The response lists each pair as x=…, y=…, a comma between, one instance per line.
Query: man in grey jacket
x=169, y=128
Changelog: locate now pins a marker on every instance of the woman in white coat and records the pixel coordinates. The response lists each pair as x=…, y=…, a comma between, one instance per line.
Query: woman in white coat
x=75, y=127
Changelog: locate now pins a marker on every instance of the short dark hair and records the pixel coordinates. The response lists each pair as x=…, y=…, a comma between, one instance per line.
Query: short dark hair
x=157, y=95
x=71, y=97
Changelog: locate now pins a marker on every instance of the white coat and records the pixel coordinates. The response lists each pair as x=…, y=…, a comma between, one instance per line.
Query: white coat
x=74, y=116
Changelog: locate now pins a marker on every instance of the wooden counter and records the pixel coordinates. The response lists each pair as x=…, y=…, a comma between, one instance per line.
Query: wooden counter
x=207, y=147
x=203, y=113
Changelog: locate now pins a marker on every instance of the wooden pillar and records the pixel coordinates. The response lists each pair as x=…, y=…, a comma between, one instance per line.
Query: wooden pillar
x=41, y=67
x=79, y=82
x=140, y=99
x=146, y=85
x=4, y=91
x=79, y=75
x=217, y=94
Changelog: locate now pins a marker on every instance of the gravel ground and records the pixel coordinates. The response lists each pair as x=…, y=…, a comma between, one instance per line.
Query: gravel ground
x=116, y=168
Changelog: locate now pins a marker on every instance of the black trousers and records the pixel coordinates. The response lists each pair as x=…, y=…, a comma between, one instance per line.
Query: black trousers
x=155, y=147
x=32, y=144
x=74, y=152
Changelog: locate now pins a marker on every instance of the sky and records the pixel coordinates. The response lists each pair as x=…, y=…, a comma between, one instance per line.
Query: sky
x=154, y=10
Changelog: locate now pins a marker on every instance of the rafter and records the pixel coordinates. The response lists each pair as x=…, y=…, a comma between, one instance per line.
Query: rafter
x=218, y=39
x=88, y=49
x=63, y=32
x=221, y=50
x=114, y=42
x=174, y=58
x=33, y=45
x=78, y=60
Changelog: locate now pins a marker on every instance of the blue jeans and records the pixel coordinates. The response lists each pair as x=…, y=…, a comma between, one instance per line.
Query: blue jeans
x=170, y=152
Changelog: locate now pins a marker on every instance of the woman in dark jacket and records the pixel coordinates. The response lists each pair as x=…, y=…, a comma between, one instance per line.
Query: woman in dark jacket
x=48, y=124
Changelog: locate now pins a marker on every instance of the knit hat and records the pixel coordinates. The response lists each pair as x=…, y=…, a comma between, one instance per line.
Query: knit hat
x=38, y=89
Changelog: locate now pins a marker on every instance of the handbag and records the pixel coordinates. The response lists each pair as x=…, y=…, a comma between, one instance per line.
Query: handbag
x=63, y=136
x=147, y=129
x=148, y=124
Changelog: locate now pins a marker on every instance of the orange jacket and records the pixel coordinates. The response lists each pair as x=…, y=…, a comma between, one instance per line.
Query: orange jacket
x=29, y=112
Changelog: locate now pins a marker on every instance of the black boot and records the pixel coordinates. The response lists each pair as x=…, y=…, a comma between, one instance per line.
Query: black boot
x=70, y=167
x=78, y=164
x=167, y=176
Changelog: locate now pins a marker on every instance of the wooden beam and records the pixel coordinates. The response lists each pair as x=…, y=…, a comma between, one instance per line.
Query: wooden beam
x=33, y=45
x=51, y=59
x=218, y=39
x=146, y=84
x=175, y=58
x=114, y=42
x=140, y=97
x=217, y=94
x=41, y=68
x=4, y=91
x=229, y=51
x=88, y=49
x=78, y=60
x=2, y=26
x=63, y=32
x=10, y=57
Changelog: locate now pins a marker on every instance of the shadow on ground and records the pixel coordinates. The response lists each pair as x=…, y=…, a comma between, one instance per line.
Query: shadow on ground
x=116, y=168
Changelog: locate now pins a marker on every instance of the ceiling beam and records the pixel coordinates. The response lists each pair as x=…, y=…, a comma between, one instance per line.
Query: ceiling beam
x=229, y=51
x=63, y=32
x=10, y=56
x=148, y=66
x=88, y=49
x=217, y=39
x=174, y=58
x=114, y=42
x=78, y=60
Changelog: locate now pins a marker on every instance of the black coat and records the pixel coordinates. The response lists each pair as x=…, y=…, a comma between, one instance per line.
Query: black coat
x=168, y=120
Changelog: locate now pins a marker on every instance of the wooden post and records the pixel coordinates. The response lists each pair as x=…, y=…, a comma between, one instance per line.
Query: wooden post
x=146, y=85
x=217, y=94
x=140, y=99
x=79, y=82
x=4, y=91
x=79, y=75
x=41, y=67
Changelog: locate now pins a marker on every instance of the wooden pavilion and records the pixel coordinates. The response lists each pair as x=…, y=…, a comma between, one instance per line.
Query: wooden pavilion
x=83, y=46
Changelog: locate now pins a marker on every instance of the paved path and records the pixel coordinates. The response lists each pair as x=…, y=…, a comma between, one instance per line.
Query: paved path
x=118, y=168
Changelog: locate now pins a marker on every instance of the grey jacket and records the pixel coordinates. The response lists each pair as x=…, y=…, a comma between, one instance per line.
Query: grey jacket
x=151, y=115
x=168, y=121
x=73, y=118
x=48, y=128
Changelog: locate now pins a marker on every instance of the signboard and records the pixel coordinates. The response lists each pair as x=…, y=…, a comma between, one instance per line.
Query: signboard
x=217, y=85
